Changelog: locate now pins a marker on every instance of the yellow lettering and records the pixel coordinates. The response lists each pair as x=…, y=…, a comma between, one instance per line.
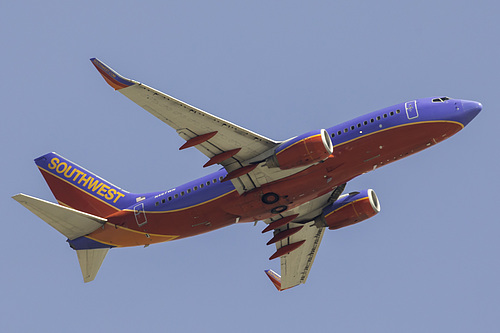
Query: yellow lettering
x=72, y=172
x=64, y=165
x=53, y=163
x=111, y=193
x=118, y=196
x=94, y=185
x=103, y=190
x=78, y=173
x=84, y=180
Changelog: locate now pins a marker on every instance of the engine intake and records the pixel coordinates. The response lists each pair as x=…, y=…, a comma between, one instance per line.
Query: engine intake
x=304, y=150
x=350, y=209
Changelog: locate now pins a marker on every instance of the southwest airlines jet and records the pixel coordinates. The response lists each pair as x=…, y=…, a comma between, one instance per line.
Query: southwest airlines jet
x=295, y=186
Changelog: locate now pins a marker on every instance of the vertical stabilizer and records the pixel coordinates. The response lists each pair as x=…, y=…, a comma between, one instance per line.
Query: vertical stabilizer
x=90, y=262
x=78, y=188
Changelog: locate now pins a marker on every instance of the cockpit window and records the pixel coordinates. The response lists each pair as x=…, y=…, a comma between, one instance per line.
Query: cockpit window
x=440, y=99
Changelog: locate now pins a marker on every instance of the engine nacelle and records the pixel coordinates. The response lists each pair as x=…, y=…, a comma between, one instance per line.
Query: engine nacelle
x=350, y=209
x=304, y=150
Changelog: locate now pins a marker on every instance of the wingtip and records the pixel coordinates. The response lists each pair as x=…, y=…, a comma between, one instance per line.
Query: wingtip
x=112, y=77
x=275, y=278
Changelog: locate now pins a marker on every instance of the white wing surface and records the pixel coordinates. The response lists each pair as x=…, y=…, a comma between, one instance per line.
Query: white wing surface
x=217, y=135
x=70, y=222
x=296, y=264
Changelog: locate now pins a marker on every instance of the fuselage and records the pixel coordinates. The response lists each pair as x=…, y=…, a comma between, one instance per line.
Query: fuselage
x=360, y=145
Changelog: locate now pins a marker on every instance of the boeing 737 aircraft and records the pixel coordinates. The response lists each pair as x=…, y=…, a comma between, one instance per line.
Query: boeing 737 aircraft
x=295, y=186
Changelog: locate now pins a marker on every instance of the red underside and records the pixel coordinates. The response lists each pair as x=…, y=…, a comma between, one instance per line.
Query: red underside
x=74, y=197
x=350, y=160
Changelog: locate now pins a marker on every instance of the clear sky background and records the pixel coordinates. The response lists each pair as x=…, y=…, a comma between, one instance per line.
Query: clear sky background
x=429, y=262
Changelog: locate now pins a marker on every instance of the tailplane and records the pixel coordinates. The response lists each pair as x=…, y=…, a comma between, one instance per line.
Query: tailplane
x=73, y=224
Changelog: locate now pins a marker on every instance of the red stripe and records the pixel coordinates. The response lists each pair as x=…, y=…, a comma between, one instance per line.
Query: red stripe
x=76, y=198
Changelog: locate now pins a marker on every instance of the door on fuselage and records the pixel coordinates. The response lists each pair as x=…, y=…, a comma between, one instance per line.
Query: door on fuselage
x=140, y=214
x=411, y=109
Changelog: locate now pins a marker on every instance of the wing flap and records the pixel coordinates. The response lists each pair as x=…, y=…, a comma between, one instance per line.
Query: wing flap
x=70, y=222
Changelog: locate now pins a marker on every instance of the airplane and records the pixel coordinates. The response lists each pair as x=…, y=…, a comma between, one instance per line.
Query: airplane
x=295, y=186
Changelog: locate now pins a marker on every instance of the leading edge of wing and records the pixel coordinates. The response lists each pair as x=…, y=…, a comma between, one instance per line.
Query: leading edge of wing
x=111, y=76
x=222, y=141
x=118, y=81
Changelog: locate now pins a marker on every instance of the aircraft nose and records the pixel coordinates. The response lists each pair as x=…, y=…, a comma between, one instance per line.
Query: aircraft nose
x=471, y=109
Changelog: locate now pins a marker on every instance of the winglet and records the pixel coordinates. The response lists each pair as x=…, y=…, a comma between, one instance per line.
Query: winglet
x=275, y=278
x=114, y=79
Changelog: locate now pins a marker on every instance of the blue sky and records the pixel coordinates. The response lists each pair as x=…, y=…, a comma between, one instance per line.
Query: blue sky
x=427, y=262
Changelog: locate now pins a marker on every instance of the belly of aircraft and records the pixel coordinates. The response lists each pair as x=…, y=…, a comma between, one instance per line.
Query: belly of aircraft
x=350, y=159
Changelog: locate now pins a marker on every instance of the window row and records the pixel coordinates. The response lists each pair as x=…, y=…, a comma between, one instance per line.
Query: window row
x=189, y=190
x=372, y=120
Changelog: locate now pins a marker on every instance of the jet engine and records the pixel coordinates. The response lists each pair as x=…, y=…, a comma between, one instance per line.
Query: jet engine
x=350, y=209
x=304, y=150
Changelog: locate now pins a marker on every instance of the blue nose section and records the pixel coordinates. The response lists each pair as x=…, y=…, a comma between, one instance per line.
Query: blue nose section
x=470, y=109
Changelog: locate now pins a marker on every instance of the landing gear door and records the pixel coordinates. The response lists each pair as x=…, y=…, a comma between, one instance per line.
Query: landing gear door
x=140, y=214
x=411, y=109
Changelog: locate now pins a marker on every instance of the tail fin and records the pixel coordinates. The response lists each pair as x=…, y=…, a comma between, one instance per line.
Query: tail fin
x=78, y=188
x=73, y=224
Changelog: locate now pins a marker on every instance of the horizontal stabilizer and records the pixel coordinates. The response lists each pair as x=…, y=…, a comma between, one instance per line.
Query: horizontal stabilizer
x=70, y=222
x=90, y=262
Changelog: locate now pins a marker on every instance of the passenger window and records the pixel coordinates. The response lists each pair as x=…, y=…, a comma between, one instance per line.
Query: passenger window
x=162, y=201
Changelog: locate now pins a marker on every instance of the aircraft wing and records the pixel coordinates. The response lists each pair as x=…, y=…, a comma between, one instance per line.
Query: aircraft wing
x=222, y=141
x=303, y=237
x=296, y=265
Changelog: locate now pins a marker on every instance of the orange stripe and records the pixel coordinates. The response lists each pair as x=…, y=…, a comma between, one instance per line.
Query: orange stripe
x=115, y=235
